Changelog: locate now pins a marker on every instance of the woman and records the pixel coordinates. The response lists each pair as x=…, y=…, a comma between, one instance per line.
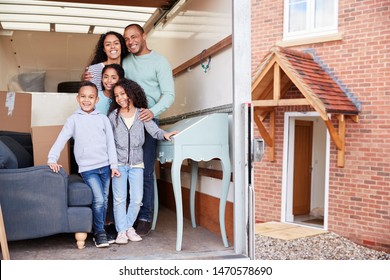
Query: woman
x=110, y=49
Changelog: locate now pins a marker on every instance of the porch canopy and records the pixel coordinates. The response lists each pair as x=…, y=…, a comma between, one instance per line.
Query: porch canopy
x=282, y=68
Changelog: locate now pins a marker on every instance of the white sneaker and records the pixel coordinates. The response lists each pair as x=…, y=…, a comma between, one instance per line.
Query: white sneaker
x=121, y=238
x=132, y=235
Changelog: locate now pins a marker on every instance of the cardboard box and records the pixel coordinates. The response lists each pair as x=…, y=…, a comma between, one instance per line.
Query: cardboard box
x=43, y=138
x=21, y=110
x=15, y=111
x=52, y=108
x=42, y=114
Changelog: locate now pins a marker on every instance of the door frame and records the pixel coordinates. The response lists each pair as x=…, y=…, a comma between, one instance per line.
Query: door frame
x=242, y=94
x=288, y=160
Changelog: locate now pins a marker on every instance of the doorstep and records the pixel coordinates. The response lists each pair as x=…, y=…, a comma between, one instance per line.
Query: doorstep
x=286, y=231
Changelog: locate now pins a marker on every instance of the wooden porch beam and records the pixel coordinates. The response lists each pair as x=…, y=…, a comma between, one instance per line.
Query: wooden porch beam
x=276, y=82
x=263, y=131
x=272, y=134
x=264, y=72
x=333, y=134
x=341, y=152
x=280, y=102
x=354, y=118
x=286, y=86
x=269, y=138
x=262, y=112
x=338, y=138
x=302, y=87
x=264, y=94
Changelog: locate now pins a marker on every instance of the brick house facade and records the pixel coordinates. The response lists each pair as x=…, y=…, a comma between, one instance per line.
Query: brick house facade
x=357, y=195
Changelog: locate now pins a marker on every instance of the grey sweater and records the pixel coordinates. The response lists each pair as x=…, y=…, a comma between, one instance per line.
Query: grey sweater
x=129, y=142
x=94, y=145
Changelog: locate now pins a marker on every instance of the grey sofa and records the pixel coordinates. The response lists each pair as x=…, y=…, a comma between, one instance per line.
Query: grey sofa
x=37, y=202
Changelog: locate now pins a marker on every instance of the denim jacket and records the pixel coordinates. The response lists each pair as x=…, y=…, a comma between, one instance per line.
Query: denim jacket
x=129, y=142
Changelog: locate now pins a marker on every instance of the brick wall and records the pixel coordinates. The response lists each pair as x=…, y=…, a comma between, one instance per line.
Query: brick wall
x=359, y=193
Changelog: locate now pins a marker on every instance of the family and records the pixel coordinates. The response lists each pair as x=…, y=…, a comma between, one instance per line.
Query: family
x=115, y=132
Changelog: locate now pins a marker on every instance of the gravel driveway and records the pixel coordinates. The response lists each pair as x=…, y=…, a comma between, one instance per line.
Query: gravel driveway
x=326, y=246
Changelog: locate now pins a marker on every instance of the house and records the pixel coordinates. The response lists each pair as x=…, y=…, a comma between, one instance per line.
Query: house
x=321, y=97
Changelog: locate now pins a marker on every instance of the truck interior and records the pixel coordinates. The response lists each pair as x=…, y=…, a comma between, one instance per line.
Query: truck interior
x=44, y=49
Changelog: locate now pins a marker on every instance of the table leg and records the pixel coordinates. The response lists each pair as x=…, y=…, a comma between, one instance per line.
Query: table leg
x=176, y=182
x=155, y=209
x=226, y=169
x=194, y=179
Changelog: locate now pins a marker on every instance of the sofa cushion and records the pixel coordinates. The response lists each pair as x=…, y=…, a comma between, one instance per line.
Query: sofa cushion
x=24, y=158
x=79, y=193
x=7, y=158
x=80, y=219
x=23, y=138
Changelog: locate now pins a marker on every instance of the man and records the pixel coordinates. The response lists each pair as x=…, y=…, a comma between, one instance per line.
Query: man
x=154, y=74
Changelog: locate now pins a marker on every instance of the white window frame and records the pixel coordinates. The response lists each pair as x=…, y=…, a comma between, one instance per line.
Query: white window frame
x=310, y=31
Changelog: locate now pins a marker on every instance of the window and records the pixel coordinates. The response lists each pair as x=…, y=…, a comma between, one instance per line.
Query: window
x=309, y=18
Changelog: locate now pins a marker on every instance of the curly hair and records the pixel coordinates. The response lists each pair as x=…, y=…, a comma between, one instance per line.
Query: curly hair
x=99, y=54
x=119, y=71
x=135, y=93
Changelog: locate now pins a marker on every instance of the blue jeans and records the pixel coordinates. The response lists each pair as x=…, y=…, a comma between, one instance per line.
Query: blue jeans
x=99, y=181
x=149, y=148
x=135, y=177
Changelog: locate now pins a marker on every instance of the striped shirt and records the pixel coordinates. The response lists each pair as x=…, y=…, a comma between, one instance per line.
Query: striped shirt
x=96, y=71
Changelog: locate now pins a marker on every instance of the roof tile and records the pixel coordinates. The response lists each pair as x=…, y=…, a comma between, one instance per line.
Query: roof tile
x=320, y=84
x=319, y=81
